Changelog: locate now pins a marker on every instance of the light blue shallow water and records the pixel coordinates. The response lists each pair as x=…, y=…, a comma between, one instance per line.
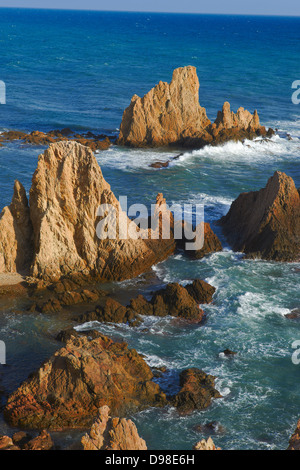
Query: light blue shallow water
x=80, y=70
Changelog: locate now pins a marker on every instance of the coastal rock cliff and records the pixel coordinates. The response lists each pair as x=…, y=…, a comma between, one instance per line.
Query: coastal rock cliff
x=166, y=114
x=266, y=223
x=86, y=374
x=112, y=434
x=16, y=234
x=67, y=189
x=170, y=114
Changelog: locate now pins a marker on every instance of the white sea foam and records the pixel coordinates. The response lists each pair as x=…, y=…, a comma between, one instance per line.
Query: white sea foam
x=252, y=304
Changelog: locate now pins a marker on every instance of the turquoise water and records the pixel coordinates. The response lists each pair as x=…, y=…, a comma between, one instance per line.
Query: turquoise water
x=80, y=69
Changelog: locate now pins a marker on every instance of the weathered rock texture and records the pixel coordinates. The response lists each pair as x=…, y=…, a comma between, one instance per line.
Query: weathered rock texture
x=16, y=234
x=23, y=441
x=69, y=388
x=174, y=300
x=67, y=189
x=112, y=434
x=197, y=391
x=170, y=114
x=294, y=443
x=211, y=243
x=166, y=114
x=266, y=223
x=207, y=444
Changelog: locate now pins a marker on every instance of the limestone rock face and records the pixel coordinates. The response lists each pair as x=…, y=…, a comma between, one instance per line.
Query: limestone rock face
x=266, y=223
x=67, y=189
x=112, y=434
x=69, y=388
x=243, y=119
x=167, y=114
x=170, y=114
x=16, y=234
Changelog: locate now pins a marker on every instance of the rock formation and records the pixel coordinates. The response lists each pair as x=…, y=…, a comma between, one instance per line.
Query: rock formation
x=211, y=243
x=70, y=387
x=266, y=223
x=67, y=189
x=294, y=443
x=174, y=300
x=207, y=444
x=23, y=441
x=170, y=114
x=197, y=391
x=112, y=434
x=16, y=234
x=166, y=114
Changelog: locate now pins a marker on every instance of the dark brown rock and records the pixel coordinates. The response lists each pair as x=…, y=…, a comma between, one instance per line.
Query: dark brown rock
x=197, y=391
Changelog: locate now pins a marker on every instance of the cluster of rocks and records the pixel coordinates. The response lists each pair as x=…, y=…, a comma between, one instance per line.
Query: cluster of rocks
x=170, y=114
x=93, y=141
x=92, y=371
x=24, y=441
x=174, y=300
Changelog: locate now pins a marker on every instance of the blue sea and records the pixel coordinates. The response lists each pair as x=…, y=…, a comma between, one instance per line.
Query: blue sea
x=79, y=70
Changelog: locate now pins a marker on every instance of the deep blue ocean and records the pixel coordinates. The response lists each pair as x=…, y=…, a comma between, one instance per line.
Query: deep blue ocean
x=79, y=70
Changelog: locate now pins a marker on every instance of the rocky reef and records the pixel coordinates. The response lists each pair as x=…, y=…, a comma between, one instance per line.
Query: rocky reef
x=89, y=372
x=266, y=224
x=174, y=300
x=197, y=391
x=170, y=114
x=112, y=434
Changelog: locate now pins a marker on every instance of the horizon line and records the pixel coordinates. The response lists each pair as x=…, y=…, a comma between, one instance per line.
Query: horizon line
x=276, y=15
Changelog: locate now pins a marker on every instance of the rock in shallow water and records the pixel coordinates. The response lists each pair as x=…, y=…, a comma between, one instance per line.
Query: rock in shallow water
x=69, y=388
x=170, y=114
x=266, y=224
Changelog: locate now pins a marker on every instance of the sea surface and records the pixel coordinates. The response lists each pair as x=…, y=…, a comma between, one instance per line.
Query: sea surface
x=79, y=70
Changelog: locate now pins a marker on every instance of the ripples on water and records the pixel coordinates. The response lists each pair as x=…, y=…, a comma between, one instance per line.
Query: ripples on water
x=261, y=399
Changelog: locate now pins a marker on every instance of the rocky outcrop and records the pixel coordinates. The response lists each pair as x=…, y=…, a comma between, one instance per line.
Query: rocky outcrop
x=197, y=391
x=67, y=189
x=94, y=142
x=174, y=300
x=170, y=114
x=69, y=388
x=211, y=243
x=22, y=441
x=294, y=443
x=167, y=114
x=266, y=223
x=69, y=235
x=112, y=434
x=16, y=234
x=206, y=444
